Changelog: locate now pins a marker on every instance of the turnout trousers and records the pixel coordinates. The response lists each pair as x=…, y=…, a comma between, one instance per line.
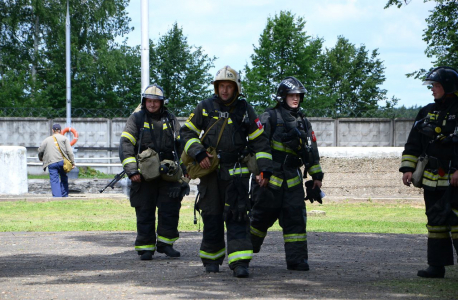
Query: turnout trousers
x=145, y=196
x=213, y=192
x=441, y=238
x=288, y=206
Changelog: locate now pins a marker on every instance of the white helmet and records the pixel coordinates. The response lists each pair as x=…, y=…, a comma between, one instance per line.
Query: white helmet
x=229, y=74
x=154, y=92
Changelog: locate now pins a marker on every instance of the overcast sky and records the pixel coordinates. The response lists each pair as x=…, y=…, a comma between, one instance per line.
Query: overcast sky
x=230, y=29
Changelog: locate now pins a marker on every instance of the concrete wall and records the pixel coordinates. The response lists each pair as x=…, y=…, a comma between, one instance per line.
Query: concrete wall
x=99, y=137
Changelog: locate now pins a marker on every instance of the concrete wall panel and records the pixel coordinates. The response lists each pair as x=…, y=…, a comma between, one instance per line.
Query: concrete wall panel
x=25, y=132
x=402, y=128
x=106, y=133
x=324, y=131
x=364, y=133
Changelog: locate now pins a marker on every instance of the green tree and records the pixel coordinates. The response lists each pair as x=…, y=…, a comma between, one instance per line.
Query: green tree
x=32, y=42
x=182, y=70
x=440, y=35
x=350, y=81
x=284, y=50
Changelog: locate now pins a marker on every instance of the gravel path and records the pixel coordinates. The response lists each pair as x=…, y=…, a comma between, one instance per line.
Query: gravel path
x=102, y=265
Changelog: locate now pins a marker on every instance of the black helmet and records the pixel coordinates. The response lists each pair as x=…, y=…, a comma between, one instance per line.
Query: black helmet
x=154, y=92
x=290, y=85
x=446, y=76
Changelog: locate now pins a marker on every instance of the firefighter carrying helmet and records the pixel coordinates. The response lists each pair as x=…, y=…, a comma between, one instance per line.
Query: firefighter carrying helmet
x=229, y=74
x=155, y=92
x=446, y=76
x=289, y=85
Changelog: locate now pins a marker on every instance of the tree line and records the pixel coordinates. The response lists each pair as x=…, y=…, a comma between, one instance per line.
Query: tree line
x=106, y=74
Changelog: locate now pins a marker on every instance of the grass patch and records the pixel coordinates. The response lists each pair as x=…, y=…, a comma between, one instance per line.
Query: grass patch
x=393, y=217
x=425, y=288
x=117, y=215
x=84, y=172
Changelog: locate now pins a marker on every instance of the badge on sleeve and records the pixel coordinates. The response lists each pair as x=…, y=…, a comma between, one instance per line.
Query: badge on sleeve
x=258, y=123
x=313, y=136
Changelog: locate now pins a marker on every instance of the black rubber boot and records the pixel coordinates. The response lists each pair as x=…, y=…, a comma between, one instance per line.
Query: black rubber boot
x=168, y=250
x=146, y=255
x=241, y=272
x=212, y=268
x=432, y=272
x=302, y=266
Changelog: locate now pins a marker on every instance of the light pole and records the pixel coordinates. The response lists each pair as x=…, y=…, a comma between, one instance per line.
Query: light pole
x=68, y=70
x=144, y=46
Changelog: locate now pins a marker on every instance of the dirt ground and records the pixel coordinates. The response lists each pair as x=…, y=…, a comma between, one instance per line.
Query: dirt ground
x=103, y=265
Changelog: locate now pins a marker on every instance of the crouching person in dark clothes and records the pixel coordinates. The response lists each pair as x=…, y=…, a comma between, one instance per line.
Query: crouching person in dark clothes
x=430, y=161
x=230, y=125
x=293, y=145
x=149, y=152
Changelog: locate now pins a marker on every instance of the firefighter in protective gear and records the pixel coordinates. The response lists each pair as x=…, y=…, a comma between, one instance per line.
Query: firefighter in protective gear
x=153, y=126
x=293, y=144
x=435, y=134
x=231, y=126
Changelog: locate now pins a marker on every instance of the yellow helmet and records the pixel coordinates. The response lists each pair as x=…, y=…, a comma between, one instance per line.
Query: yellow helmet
x=228, y=74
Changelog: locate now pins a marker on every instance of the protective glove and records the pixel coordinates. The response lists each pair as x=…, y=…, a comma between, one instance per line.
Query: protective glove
x=441, y=212
x=179, y=191
x=237, y=201
x=313, y=194
x=174, y=191
x=184, y=189
x=242, y=203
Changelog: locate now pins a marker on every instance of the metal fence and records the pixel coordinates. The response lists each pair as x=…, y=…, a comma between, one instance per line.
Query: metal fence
x=29, y=112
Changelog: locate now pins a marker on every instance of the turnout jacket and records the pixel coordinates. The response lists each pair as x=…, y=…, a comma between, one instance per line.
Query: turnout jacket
x=288, y=156
x=243, y=130
x=160, y=132
x=441, y=148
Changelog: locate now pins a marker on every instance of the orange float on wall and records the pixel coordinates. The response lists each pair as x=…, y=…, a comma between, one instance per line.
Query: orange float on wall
x=75, y=135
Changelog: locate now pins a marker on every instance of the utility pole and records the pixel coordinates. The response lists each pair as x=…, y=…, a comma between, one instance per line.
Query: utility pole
x=144, y=46
x=68, y=70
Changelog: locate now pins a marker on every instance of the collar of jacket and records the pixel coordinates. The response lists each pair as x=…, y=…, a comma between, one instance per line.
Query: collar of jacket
x=446, y=101
x=229, y=103
x=157, y=115
x=293, y=111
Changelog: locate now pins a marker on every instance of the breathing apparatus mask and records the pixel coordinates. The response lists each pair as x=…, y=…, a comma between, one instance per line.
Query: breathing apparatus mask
x=170, y=170
x=427, y=127
x=433, y=130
